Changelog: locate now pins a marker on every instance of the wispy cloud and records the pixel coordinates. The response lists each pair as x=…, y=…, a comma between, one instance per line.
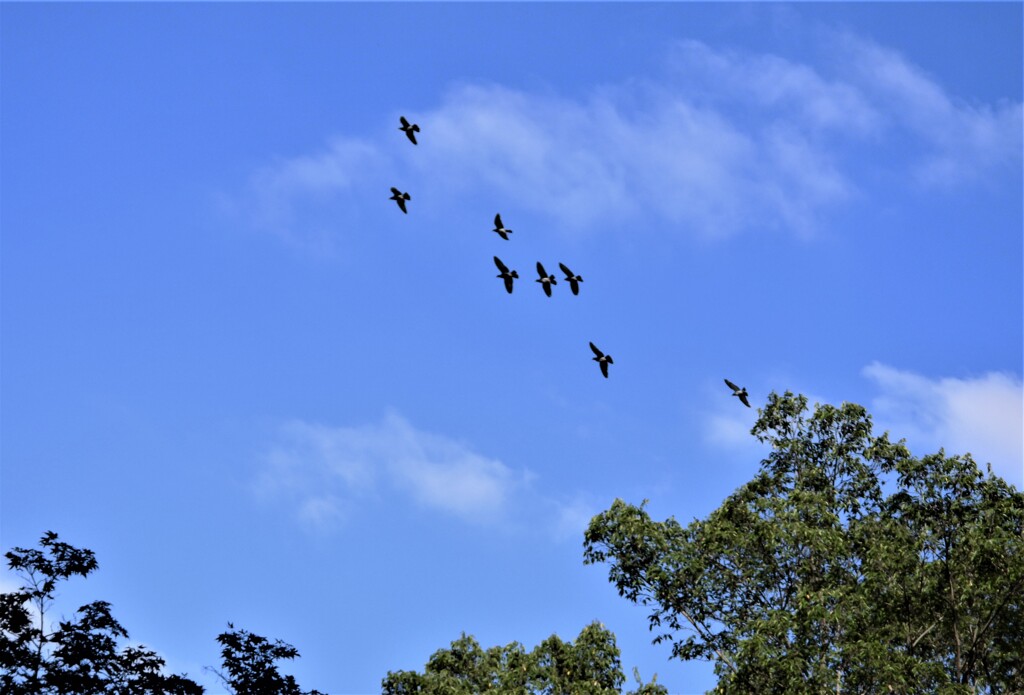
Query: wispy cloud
x=729, y=430
x=573, y=517
x=328, y=475
x=727, y=423
x=983, y=416
x=725, y=141
x=755, y=82
x=644, y=149
x=282, y=197
x=324, y=472
x=961, y=141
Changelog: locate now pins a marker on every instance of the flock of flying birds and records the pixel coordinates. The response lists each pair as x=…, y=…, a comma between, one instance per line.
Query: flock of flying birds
x=546, y=281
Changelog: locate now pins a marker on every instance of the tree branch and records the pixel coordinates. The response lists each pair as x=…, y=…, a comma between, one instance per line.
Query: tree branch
x=704, y=632
x=1012, y=591
x=921, y=636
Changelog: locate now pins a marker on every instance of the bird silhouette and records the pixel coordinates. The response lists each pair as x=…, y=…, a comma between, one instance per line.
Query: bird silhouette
x=400, y=198
x=573, y=280
x=738, y=392
x=505, y=274
x=545, y=280
x=602, y=359
x=409, y=130
x=500, y=228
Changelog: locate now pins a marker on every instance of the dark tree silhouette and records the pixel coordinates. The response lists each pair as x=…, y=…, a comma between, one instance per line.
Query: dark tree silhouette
x=81, y=656
x=249, y=664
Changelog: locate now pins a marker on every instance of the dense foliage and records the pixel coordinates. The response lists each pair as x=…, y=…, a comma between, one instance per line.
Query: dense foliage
x=811, y=578
x=588, y=666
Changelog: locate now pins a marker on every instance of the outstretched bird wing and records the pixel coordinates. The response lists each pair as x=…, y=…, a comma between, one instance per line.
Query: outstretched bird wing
x=568, y=273
x=401, y=204
x=596, y=351
x=574, y=285
x=396, y=191
x=508, y=283
x=540, y=270
x=743, y=399
x=411, y=136
x=547, y=288
x=497, y=222
x=405, y=123
x=604, y=369
x=731, y=385
x=501, y=266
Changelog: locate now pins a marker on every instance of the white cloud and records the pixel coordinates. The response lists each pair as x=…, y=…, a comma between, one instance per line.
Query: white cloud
x=765, y=81
x=325, y=471
x=573, y=518
x=730, y=430
x=725, y=141
x=963, y=141
x=445, y=474
x=629, y=150
x=326, y=475
x=727, y=423
x=983, y=415
x=278, y=197
x=331, y=170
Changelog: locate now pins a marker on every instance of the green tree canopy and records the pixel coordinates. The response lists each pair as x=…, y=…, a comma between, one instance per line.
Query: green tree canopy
x=588, y=666
x=811, y=578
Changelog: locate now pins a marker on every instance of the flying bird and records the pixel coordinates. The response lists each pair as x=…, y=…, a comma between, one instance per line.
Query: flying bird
x=573, y=280
x=409, y=130
x=602, y=359
x=400, y=198
x=738, y=392
x=545, y=280
x=505, y=274
x=500, y=228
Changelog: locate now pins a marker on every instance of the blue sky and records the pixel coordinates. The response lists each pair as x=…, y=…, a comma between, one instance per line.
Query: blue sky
x=233, y=369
